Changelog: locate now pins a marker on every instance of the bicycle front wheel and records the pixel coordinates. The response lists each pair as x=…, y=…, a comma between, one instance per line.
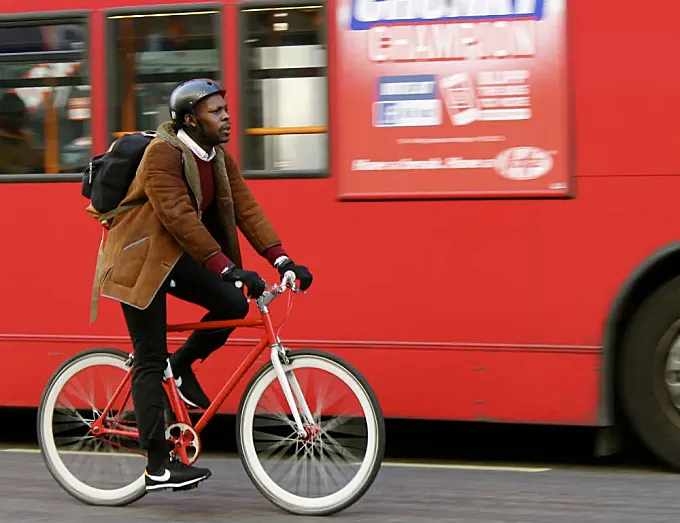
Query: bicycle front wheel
x=331, y=467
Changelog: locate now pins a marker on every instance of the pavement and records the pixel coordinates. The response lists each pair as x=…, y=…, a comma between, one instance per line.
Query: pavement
x=403, y=492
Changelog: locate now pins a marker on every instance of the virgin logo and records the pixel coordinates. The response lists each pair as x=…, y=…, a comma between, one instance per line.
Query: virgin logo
x=523, y=163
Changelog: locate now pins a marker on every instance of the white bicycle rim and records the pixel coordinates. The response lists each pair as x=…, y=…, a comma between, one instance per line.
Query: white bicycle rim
x=294, y=502
x=78, y=488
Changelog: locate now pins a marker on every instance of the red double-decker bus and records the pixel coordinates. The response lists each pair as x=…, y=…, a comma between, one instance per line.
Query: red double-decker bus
x=485, y=195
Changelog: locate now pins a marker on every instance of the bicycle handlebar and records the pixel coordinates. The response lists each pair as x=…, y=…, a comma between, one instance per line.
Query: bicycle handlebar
x=288, y=281
x=271, y=292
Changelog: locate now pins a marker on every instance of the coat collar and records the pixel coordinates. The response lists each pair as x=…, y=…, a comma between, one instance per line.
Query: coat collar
x=167, y=133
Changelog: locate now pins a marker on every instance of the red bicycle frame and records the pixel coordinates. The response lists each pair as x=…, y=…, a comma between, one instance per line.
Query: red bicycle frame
x=178, y=406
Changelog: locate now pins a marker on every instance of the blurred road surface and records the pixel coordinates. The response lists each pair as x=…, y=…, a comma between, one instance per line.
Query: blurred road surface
x=410, y=493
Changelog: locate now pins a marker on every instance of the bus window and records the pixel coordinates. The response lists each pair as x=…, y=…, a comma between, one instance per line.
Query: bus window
x=284, y=91
x=150, y=54
x=44, y=97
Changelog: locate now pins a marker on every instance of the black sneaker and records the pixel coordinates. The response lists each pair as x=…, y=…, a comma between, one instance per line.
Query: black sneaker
x=175, y=475
x=189, y=389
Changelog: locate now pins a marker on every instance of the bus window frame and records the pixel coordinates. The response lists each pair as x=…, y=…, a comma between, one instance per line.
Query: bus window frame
x=80, y=16
x=110, y=17
x=244, y=5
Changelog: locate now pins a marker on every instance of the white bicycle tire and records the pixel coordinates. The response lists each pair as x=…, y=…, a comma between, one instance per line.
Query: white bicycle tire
x=370, y=466
x=78, y=489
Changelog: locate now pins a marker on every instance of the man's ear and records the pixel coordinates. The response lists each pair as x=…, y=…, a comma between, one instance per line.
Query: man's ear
x=190, y=120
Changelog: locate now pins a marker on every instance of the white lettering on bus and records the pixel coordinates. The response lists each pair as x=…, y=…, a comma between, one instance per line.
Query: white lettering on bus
x=515, y=39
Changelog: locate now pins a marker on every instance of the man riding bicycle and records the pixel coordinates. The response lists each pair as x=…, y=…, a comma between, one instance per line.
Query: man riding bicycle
x=183, y=241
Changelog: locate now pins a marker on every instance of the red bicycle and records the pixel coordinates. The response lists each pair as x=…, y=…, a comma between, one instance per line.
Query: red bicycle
x=309, y=429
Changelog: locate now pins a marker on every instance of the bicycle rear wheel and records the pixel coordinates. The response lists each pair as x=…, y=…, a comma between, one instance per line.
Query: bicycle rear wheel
x=337, y=461
x=76, y=395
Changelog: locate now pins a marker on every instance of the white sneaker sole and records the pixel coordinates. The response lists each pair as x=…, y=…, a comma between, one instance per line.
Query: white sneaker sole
x=159, y=486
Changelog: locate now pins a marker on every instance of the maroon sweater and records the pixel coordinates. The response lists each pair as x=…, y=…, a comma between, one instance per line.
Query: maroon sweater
x=218, y=262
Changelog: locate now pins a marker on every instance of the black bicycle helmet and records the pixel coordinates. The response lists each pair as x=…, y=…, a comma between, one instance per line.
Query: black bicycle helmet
x=186, y=95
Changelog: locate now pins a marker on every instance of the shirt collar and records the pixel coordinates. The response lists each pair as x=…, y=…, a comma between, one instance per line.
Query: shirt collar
x=195, y=148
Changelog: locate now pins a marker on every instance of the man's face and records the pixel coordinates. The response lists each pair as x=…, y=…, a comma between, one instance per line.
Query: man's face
x=212, y=113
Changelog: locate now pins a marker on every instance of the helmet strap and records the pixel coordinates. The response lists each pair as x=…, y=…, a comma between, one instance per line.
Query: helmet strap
x=200, y=127
x=197, y=128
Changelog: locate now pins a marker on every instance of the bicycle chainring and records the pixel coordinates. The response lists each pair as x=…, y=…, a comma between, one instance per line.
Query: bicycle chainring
x=179, y=434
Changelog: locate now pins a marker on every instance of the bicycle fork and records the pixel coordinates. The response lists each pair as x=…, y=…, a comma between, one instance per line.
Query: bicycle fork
x=292, y=391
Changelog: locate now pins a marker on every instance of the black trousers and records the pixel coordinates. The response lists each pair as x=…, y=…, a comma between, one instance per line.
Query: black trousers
x=192, y=283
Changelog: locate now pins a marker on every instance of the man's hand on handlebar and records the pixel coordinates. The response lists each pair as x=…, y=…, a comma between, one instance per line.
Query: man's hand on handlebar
x=250, y=279
x=301, y=273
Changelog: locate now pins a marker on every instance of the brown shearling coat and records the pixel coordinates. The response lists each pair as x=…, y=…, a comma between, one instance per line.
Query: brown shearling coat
x=145, y=243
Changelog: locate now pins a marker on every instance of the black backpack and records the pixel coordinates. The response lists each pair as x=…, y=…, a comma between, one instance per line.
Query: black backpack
x=107, y=178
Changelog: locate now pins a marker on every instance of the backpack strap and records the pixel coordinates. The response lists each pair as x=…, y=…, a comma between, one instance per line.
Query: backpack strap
x=94, y=304
x=104, y=220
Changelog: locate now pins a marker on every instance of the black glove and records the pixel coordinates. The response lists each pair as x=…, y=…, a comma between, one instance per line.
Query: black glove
x=301, y=273
x=251, y=280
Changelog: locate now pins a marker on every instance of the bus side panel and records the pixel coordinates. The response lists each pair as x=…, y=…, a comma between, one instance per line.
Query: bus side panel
x=462, y=383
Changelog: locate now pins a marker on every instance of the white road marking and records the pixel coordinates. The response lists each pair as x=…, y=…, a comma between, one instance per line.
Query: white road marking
x=454, y=466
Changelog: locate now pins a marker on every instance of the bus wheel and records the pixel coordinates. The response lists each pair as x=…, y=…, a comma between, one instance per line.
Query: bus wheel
x=649, y=384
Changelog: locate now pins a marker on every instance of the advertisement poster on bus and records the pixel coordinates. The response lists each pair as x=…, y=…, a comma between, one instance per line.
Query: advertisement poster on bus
x=451, y=98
